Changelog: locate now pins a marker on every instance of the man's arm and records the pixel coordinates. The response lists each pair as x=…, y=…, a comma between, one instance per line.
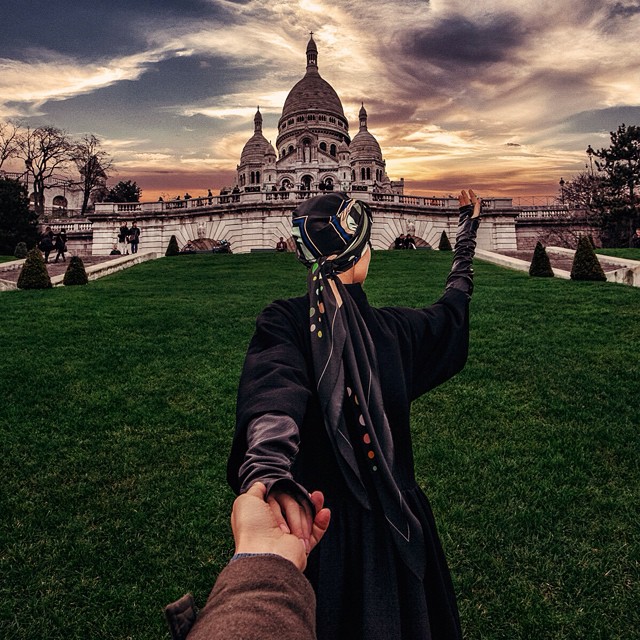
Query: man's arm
x=261, y=594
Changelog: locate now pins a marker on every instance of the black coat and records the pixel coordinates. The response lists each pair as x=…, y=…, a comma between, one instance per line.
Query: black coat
x=362, y=589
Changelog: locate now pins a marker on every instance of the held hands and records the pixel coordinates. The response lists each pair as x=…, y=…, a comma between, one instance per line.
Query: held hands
x=260, y=527
x=470, y=198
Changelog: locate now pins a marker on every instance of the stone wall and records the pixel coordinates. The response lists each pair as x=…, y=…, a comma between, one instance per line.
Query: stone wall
x=258, y=223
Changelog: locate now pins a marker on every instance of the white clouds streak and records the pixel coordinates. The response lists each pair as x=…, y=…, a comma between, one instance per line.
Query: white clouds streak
x=447, y=84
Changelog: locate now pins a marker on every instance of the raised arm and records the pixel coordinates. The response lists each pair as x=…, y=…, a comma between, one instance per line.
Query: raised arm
x=461, y=274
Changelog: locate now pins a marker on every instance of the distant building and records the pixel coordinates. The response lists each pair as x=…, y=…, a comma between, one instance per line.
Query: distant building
x=314, y=149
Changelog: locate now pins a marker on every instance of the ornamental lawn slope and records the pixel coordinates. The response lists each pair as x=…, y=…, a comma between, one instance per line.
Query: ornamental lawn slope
x=117, y=413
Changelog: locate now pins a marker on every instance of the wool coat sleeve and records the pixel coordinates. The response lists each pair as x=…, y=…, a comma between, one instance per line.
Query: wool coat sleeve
x=258, y=598
x=434, y=341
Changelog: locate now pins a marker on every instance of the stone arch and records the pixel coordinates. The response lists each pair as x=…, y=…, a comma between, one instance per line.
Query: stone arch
x=306, y=182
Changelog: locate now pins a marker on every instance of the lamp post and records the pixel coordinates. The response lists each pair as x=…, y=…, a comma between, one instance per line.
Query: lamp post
x=562, y=183
x=590, y=153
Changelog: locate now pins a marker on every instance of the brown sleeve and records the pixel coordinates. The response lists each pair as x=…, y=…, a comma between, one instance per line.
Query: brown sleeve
x=258, y=598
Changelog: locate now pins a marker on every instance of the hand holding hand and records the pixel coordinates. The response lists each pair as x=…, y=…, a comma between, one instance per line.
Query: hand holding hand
x=260, y=527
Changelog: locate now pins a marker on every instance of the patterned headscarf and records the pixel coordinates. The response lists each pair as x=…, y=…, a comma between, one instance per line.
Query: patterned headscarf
x=332, y=231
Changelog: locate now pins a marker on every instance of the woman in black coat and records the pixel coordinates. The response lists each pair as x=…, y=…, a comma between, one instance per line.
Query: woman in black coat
x=324, y=402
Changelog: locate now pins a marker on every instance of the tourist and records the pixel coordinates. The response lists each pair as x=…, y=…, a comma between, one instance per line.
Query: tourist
x=261, y=594
x=324, y=402
x=134, y=237
x=46, y=243
x=123, y=238
x=634, y=243
x=209, y=196
x=409, y=242
x=399, y=242
x=115, y=251
x=61, y=245
x=281, y=245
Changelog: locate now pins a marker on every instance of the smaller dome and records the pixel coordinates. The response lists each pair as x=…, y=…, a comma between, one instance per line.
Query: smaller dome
x=365, y=147
x=257, y=147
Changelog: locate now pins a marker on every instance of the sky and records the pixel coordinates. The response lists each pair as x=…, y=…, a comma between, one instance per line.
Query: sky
x=500, y=95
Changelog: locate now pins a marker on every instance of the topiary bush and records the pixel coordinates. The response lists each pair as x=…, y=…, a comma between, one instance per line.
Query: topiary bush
x=444, y=244
x=34, y=274
x=173, y=249
x=540, y=266
x=75, y=273
x=585, y=263
x=21, y=250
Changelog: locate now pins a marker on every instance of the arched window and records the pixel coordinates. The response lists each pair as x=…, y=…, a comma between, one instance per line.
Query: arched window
x=362, y=173
x=368, y=173
x=332, y=149
x=60, y=202
x=323, y=146
x=290, y=149
x=253, y=177
x=353, y=175
x=257, y=177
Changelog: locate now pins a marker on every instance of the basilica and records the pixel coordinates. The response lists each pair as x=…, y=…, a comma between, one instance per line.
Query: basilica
x=314, y=150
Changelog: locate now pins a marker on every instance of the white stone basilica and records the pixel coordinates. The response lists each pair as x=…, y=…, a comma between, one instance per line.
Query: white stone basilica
x=314, y=149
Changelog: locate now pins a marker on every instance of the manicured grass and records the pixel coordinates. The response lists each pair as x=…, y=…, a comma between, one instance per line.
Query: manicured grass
x=632, y=254
x=118, y=409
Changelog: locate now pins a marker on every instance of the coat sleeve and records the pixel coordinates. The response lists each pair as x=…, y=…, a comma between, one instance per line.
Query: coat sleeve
x=434, y=341
x=274, y=389
x=258, y=598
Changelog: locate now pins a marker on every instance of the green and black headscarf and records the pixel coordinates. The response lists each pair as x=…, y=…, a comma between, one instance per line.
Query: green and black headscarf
x=332, y=232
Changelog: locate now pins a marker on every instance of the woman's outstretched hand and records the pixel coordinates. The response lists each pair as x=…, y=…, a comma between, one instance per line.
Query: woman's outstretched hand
x=470, y=197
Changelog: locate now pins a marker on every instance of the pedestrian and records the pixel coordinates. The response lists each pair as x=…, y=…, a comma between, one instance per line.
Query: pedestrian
x=61, y=245
x=46, y=243
x=134, y=237
x=123, y=238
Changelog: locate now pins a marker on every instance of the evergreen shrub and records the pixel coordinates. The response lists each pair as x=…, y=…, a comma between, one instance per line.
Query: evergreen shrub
x=173, y=249
x=540, y=265
x=21, y=250
x=444, y=244
x=34, y=274
x=585, y=263
x=75, y=273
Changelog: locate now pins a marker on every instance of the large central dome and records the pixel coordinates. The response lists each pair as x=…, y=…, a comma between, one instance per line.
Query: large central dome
x=312, y=92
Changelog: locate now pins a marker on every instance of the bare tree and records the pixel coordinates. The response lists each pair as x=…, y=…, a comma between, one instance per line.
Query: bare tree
x=45, y=151
x=93, y=163
x=9, y=141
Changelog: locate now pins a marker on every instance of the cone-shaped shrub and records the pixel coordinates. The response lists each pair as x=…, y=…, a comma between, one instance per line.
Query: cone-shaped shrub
x=540, y=265
x=34, y=274
x=173, y=249
x=21, y=251
x=444, y=244
x=75, y=273
x=585, y=263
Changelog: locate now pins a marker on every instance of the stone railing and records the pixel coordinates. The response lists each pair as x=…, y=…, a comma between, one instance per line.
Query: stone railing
x=555, y=212
x=130, y=209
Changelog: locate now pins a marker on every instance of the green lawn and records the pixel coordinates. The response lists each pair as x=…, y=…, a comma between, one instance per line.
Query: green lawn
x=118, y=409
x=631, y=254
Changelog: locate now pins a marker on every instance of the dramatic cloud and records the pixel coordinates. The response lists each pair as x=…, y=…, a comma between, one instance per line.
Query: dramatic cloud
x=499, y=94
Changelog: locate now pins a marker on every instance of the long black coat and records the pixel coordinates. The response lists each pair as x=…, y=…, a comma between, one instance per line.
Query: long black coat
x=363, y=590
